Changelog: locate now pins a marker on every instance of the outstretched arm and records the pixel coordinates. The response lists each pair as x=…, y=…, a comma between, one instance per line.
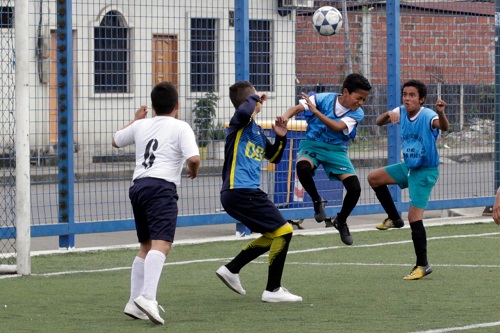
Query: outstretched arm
x=387, y=117
x=139, y=114
x=293, y=111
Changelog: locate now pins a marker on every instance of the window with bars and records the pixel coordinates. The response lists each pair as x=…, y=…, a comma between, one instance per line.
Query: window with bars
x=204, y=54
x=6, y=17
x=111, y=55
x=260, y=55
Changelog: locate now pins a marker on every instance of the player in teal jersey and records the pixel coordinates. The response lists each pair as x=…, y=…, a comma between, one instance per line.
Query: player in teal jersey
x=331, y=123
x=419, y=172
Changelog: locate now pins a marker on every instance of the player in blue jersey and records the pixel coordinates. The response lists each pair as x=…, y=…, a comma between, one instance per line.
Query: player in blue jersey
x=419, y=172
x=331, y=123
x=246, y=147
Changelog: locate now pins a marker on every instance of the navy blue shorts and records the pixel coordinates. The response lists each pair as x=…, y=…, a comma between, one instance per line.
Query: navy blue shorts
x=253, y=208
x=154, y=202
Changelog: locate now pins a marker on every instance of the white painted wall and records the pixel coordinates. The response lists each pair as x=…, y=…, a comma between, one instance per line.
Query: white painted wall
x=98, y=116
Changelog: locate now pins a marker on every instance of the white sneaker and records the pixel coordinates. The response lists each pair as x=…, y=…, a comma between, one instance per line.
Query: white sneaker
x=231, y=280
x=133, y=311
x=150, y=308
x=280, y=295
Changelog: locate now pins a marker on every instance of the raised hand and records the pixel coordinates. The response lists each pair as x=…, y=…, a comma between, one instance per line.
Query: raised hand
x=279, y=126
x=141, y=113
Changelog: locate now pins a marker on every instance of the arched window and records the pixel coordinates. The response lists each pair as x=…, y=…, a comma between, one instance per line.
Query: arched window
x=111, y=55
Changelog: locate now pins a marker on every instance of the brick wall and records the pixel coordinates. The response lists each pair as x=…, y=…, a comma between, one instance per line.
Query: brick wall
x=434, y=47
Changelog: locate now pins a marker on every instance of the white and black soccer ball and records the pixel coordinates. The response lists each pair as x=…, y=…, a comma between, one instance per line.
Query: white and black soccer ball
x=327, y=20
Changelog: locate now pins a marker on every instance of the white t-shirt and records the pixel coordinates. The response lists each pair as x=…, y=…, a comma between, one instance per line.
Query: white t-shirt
x=163, y=144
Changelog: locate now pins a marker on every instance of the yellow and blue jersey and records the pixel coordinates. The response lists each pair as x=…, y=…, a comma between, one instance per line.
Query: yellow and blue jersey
x=246, y=147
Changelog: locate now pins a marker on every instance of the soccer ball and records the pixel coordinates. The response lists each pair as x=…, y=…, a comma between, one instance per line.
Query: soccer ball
x=327, y=20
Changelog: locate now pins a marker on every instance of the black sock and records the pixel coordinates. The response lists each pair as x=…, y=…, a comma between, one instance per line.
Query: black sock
x=305, y=175
x=419, y=237
x=252, y=250
x=277, y=257
x=385, y=198
x=353, y=192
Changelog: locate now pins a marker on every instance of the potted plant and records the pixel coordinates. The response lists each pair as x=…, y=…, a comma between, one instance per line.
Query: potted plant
x=217, y=136
x=218, y=132
x=204, y=114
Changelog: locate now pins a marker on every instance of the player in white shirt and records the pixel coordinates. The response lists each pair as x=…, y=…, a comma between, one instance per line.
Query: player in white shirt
x=163, y=143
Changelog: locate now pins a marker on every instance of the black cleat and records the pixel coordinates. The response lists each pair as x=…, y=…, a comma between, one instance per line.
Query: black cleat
x=319, y=210
x=345, y=235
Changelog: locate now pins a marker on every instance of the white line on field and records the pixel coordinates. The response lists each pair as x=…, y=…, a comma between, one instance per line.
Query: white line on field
x=290, y=252
x=381, y=264
x=461, y=328
x=392, y=243
x=187, y=262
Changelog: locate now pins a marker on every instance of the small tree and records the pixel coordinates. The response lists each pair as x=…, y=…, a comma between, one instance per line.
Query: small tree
x=217, y=132
x=204, y=112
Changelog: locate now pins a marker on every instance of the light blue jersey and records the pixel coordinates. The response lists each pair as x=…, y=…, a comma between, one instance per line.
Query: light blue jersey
x=317, y=131
x=418, y=139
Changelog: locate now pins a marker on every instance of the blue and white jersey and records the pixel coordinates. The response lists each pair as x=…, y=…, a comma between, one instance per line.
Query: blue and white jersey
x=246, y=147
x=418, y=138
x=328, y=104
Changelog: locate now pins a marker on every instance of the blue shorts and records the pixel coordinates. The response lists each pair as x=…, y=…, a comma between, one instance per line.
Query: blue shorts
x=253, y=208
x=334, y=158
x=419, y=182
x=154, y=202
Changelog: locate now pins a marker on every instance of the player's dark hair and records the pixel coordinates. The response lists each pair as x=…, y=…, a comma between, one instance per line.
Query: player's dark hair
x=354, y=82
x=164, y=97
x=239, y=92
x=419, y=85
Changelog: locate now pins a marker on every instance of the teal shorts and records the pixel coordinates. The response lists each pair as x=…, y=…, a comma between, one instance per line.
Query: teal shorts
x=334, y=158
x=419, y=182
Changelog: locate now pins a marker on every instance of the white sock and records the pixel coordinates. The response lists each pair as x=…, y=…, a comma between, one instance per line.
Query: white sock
x=153, y=265
x=136, y=279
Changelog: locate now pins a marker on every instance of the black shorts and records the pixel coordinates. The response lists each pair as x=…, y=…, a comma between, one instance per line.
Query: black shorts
x=253, y=208
x=154, y=202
